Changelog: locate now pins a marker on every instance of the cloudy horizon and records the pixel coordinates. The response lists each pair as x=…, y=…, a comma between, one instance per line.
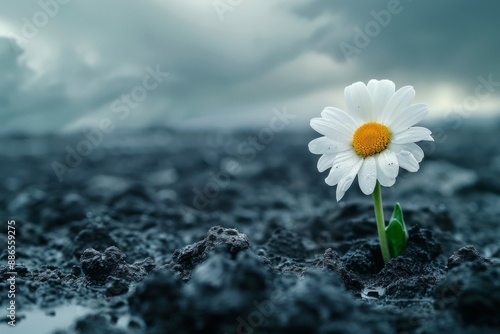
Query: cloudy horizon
x=68, y=64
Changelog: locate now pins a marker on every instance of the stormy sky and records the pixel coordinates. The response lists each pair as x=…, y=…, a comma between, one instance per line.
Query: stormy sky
x=67, y=64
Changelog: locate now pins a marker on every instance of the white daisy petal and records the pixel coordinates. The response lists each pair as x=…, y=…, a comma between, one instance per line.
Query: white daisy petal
x=387, y=163
x=325, y=162
x=367, y=176
x=408, y=117
x=344, y=162
x=397, y=103
x=372, y=86
x=359, y=102
x=325, y=145
x=347, y=180
x=331, y=130
x=408, y=161
x=413, y=148
x=412, y=135
x=324, y=129
x=381, y=91
x=428, y=138
x=340, y=117
x=384, y=179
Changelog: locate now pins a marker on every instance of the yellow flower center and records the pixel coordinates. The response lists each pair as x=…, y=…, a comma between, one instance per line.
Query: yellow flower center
x=371, y=138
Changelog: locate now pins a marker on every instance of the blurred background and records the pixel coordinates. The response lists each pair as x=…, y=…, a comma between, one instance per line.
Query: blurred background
x=69, y=64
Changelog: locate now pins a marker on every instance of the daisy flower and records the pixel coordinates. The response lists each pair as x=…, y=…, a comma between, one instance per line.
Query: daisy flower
x=372, y=139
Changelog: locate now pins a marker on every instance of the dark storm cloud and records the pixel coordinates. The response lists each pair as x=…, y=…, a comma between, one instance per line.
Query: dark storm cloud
x=456, y=40
x=96, y=56
x=262, y=55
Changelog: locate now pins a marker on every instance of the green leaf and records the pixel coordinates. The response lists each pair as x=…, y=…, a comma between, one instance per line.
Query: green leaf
x=396, y=233
x=398, y=214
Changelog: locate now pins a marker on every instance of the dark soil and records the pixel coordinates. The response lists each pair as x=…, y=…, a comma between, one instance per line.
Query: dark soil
x=163, y=232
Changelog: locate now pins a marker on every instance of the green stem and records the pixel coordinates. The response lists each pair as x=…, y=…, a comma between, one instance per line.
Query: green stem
x=379, y=216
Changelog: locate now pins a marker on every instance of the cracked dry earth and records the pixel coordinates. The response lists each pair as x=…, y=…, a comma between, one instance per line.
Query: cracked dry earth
x=125, y=245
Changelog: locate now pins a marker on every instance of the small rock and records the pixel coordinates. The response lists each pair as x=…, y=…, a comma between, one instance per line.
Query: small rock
x=97, y=266
x=190, y=256
x=465, y=254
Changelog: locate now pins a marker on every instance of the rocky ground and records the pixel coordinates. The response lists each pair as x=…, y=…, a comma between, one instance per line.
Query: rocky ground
x=168, y=232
